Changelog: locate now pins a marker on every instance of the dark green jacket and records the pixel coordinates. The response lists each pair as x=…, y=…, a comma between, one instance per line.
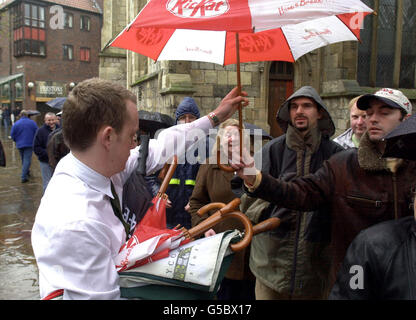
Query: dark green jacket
x=293, y=259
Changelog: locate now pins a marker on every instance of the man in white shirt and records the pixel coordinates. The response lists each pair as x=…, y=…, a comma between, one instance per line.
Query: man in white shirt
x=76, y=234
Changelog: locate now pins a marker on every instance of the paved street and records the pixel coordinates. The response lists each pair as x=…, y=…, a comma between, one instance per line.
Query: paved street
x=18, y=206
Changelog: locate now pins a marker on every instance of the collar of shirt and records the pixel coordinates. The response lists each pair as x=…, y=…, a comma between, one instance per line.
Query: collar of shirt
x=355, y=140
x=91, y=177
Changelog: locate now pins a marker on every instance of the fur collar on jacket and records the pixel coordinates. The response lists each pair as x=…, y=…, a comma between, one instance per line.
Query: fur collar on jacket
x=370, y=158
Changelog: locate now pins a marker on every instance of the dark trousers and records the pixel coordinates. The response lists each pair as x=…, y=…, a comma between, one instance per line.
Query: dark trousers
x=26, y=156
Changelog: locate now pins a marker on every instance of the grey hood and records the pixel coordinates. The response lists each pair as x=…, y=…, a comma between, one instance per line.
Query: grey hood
x=326, y=125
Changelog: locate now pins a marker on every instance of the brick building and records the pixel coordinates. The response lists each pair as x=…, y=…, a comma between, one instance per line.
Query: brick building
x=385, y=57
x=46, y=47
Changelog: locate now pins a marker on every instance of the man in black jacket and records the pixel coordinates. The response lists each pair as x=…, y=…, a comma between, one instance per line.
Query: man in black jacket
x=40, y=143
x=380, y=264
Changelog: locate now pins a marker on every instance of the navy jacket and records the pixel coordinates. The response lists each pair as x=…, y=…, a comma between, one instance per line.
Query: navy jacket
x=179, y=191
x=183, y=181
x=23, y=132
x=40, y=143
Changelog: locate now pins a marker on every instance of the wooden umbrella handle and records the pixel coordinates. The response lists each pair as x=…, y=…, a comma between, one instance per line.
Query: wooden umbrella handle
x=266, y=225
x=222, y=166
x=218, y=217
x=248, y=230
x=231, y=206
x=169, y=175
x=209, y=207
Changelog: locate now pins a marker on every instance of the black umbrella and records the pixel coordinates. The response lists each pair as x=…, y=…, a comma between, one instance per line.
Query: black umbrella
x=253, y=127
x=57, y=103
x=152, y=121
x=401, y=142
x=32, y=112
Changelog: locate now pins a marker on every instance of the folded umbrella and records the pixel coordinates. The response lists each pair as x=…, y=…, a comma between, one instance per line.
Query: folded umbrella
x=151, y=240
x=194, y=270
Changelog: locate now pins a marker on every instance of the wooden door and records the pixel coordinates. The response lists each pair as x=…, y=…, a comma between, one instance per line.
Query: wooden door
x=280, y=88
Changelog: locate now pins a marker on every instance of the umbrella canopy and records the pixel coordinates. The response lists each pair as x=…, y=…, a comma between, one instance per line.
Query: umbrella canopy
x=57, y=103
x=255, y=130
x=289, y=42
x=32, y=113
x=153, y=121
x=290, y=29
x=238, y=15
x=401, y=142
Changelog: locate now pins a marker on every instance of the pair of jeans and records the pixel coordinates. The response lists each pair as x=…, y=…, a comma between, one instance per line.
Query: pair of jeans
x=26, y=156
x=6, y=123
x=46, y=171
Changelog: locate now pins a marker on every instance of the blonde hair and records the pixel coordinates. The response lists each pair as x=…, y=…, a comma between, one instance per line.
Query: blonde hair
x=353, y=101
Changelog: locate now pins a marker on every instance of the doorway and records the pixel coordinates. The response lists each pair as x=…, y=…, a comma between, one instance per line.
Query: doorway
x=280, y=88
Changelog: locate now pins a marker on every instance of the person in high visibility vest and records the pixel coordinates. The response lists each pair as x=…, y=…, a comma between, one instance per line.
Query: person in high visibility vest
x=183, y=181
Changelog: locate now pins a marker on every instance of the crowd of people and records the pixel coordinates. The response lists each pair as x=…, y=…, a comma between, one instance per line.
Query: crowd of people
x=342, y=205
x=30, y=139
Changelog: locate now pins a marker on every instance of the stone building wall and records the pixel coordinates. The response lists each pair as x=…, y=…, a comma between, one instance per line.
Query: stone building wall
x=113, y=62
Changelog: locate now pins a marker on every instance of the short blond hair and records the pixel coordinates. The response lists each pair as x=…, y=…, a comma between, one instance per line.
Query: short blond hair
x=353, y=101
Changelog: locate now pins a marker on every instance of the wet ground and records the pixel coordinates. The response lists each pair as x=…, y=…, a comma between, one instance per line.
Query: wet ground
x=18, y=206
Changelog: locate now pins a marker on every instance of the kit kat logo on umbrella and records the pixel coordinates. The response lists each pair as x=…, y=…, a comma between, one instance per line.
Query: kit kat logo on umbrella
x=256, y=43
x=149, y=36
x=197, y=8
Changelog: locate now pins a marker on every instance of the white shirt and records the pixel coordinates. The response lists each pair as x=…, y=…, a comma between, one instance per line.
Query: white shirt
x=76, y=235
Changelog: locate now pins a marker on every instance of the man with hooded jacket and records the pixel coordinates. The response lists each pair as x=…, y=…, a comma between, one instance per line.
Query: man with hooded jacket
x=291, y=261
x=183, y=181
x=359, y=187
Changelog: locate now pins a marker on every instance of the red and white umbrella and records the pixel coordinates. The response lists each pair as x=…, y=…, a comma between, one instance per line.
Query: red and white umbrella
x=205, y=30
x=239, y=15
x=287, y=43
x=210, y=30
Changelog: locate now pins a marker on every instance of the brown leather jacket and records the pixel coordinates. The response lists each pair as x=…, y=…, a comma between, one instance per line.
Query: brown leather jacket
x=357, y=186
